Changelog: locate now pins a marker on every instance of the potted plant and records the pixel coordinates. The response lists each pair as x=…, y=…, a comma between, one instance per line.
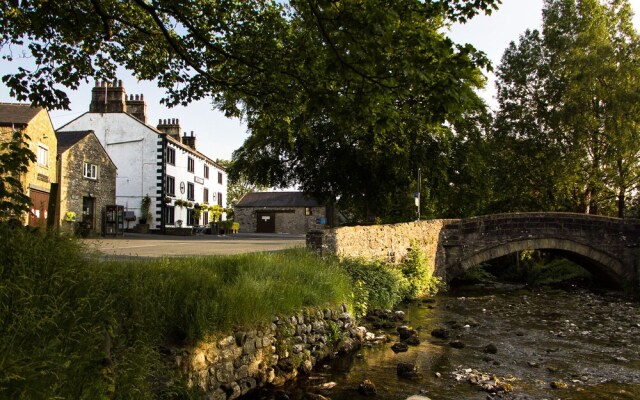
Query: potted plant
x=145, y=204
x=179, y=223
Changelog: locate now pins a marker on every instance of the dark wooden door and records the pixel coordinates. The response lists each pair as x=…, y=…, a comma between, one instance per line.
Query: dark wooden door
x=88, y=212
x=266, y=222
x=39, y=206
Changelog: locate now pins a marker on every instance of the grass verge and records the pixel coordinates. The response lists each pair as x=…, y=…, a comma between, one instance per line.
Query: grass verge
x=73, y=326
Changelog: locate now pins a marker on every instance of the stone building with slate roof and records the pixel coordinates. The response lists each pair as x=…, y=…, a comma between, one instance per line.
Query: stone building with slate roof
x=39, y=182
x=87, y=180
x=279, y=212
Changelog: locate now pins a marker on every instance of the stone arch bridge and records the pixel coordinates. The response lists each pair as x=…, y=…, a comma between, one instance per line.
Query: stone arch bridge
x=607, y=247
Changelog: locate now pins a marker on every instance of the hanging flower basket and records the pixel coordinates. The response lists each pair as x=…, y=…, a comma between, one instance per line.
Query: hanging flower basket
x=70, y=216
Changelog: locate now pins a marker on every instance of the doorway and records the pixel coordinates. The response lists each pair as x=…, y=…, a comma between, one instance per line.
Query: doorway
x=88, y=212
x=266, y=222
x=39, y=208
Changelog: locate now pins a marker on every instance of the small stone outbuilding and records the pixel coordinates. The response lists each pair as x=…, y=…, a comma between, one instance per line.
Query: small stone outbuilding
x=87, y=178
x=279, y=212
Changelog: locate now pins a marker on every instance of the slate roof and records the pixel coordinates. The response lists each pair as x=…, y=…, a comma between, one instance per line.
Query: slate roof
x=277, y=199
x=155, y=130
x=18, y=114
x=69, y=138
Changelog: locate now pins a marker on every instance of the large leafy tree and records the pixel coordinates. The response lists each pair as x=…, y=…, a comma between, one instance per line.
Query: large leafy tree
x=567, y=128
x=238, y=187
x=340, y=97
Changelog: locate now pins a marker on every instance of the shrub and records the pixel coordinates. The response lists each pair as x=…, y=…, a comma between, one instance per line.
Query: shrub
x=420, y=279
x=377, y=285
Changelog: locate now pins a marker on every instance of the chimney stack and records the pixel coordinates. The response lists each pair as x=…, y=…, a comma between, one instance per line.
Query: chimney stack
x=137, y=107
x=171, y=127
x=189, y=140
x=108, y=98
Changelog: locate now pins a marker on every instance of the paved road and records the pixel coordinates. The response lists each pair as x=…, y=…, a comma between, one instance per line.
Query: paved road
x=139, y=245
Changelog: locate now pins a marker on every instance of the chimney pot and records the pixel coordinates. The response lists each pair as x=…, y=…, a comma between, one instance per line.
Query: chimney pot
x=120, y=83
x=141, y=96
x=159, y=122
x=191, y=133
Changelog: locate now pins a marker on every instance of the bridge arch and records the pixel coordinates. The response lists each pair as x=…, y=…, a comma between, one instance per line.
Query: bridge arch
x=595, y=261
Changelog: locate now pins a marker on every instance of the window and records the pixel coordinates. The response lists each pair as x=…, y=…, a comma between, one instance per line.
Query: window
x=307, y=211
x=220, y=178
x=170, y=190
x=190, y=221
x=191, y=165
x=171, y=156
x=205, y=195
x=90, y=171
x=206, y=172
x=43, y=155
x=205, y=218
x=190, y=191
x=169, y=213
x=219, y=198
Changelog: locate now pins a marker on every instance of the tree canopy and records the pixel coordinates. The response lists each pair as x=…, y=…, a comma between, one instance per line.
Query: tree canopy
x=341, y=97
x=566, y=135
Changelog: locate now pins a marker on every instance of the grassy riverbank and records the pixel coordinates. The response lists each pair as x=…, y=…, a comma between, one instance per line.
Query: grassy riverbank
x=73, y=326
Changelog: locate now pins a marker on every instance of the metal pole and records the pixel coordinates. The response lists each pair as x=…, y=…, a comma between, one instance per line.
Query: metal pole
x=418, y=199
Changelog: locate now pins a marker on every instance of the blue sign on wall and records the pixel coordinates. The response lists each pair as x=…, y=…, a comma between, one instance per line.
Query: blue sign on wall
x=321, y=220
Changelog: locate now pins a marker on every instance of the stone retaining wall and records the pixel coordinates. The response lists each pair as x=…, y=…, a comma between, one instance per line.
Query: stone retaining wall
x=233, y=365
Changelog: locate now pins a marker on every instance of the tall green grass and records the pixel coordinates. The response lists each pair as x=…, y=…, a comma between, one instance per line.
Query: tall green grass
x=72, y=326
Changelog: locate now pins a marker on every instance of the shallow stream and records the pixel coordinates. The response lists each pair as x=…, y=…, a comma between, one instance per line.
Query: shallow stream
x=549, y=344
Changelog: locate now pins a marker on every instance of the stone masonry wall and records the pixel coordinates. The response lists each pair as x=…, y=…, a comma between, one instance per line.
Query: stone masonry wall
x=74, y=186
x=451, y=246
x=286, y=221
x=382, y=242
x=233, y=365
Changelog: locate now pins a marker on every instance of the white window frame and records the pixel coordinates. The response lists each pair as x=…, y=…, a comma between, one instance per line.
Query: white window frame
x=43, y=155
x=90, y=171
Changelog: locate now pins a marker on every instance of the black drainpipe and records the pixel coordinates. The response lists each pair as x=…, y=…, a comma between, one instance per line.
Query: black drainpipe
x=163, y=205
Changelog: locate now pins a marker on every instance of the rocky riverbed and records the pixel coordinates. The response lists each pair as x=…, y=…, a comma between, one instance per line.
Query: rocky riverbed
x=489, y=342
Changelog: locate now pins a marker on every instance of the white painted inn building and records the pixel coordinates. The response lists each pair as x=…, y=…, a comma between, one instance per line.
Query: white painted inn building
x=154, y=161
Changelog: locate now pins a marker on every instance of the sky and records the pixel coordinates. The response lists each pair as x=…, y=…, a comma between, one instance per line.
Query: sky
x=218, y=136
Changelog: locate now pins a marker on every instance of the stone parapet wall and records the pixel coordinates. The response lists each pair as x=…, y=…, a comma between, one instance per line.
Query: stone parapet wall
x=381, y=242
x=610, y=246
x=233, y=365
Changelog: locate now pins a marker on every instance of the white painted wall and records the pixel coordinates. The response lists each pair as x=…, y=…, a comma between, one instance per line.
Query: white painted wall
x=133, y=147
x=181, y=174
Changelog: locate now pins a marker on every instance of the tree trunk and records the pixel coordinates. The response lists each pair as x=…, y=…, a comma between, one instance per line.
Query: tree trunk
x=621, y=202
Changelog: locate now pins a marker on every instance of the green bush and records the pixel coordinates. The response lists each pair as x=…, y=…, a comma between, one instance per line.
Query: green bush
x=377, y=285
x=420, y=279
x=381, y=285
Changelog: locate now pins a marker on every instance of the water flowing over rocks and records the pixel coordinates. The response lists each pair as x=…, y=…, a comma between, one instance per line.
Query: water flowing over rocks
x=519, y=344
